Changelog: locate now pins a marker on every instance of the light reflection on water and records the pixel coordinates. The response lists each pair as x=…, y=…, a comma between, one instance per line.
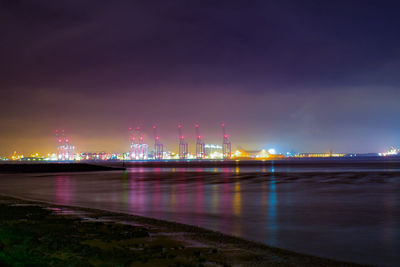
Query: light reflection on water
x=272, y=212
x=63, y=190
x=215, y=199
x=348, y=215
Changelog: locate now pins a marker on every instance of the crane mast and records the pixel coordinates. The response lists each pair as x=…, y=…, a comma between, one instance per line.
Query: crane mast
x=226, y=144
x=200, y=146
x=183, y=146
x=138, y=149
x=158, y=146
x=65, y=151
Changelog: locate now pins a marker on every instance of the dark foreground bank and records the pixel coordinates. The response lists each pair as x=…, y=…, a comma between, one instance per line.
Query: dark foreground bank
x=53, y=167
x=38, y=234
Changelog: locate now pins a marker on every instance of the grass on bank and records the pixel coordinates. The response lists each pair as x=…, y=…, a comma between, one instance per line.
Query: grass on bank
x=33, y=236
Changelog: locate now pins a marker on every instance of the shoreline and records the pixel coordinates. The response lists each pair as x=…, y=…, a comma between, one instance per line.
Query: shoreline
x=95, y=165
x=248, y=252
x=41, y=167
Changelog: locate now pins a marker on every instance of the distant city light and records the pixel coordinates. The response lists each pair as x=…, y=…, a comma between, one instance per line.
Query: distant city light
x=272, y=151
x=393, y=151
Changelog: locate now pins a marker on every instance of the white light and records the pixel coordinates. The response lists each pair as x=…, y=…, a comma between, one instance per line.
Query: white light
x=272, y=151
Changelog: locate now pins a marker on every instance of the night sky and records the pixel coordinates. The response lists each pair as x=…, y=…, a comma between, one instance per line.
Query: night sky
x=295, y=75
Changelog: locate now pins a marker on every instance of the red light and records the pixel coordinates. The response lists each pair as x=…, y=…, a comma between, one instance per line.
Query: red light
x=223, y=124
x=179, y=126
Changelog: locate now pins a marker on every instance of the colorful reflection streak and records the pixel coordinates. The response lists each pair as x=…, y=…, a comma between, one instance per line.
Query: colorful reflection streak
x=125, y=187
x=237, y=208
x=63, y=190
x=137, y=193
x=272, y=224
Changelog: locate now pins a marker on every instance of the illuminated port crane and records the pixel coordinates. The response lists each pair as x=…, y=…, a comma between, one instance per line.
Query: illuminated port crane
x=138, y=150
x=65, y=151
x=226, y=144
x=158, y=146
x=200, y=146
x=132, y=140
x=183, y=147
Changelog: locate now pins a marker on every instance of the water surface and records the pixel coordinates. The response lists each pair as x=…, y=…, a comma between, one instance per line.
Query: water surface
x=344, y=213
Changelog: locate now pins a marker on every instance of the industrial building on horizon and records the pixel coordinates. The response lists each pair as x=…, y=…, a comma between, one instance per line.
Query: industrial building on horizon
x=139, y=150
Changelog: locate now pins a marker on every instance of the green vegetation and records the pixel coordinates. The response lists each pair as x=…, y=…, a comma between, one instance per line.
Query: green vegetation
x=33, y=236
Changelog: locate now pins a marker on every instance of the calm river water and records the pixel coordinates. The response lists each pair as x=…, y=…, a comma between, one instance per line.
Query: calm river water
x=350, y=214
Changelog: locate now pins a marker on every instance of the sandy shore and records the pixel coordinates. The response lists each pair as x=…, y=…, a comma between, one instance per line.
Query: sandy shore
x=157, y=242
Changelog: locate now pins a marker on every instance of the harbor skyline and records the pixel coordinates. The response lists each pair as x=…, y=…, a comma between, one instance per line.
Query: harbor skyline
x=139, y=148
